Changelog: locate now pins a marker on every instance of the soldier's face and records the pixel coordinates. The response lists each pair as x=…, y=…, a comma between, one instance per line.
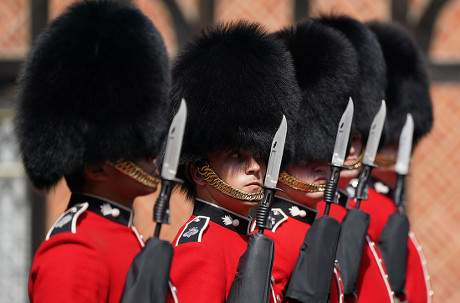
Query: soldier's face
x=312, y=173
x=125, y=188
x=347, y=174
x=243, y=170
x=385, y=171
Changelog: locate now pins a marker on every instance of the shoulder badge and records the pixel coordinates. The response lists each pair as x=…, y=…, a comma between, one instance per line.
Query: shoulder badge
x=193, y=231
x=67, y=222
x=277, y=217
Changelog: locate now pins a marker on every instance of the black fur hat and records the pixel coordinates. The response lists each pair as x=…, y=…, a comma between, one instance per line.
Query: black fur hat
x=327, y=70
x=408, y=89
x=370, y=89
x=94, y=88
x=238, y=81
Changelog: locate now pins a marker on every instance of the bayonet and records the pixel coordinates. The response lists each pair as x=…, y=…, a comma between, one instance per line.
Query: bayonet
x=169, y=168
x=402, y=164
x=369, y=155
x=343, y=135
x=405, y=147
x=374, y=135
x=271, y=176
x=338, y=157
x=276, y=155
x=173, y=147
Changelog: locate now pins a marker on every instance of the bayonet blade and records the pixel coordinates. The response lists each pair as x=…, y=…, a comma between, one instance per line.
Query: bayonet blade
x=405, y=147
x=374, y=135
x=276, y=155
x=174, y=144
x=343, y=134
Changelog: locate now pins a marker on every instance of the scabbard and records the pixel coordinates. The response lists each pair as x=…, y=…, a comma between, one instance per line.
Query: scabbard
x=353, y=231
x=148, y=277
x=393, y=245
x=253, y=275
x=311, y=279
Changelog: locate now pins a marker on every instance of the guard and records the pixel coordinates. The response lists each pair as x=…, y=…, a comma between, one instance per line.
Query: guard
x=92, y=100
x=238, y=82
x=407, y=92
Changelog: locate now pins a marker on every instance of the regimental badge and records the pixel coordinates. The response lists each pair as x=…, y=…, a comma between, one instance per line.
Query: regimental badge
x=193, y=230
x=227, y=220
x=295, y=211
x=106, y=209
x=381, y=188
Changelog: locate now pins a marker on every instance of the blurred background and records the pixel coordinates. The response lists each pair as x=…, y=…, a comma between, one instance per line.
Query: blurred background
x=434, y=189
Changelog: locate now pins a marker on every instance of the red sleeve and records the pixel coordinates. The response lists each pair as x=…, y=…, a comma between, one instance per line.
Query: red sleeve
x=66, y=269
x=198, y=273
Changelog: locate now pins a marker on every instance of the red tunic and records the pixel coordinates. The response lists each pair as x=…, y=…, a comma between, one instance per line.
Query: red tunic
x=206, y=253
x=291, y=222
x=86, y=255
x=373, y=284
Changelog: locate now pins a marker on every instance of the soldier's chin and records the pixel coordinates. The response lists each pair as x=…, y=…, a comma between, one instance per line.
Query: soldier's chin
x=251, y=189
x=253, y=204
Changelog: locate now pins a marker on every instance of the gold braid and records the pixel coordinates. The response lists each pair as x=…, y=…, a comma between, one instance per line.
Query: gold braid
x=384, y=160
x=210, y=176
x=357, y=163
x=300, y=185
x=136, y=173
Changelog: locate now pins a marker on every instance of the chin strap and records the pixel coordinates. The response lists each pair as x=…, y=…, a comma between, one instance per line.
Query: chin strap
x=357, y=163
x=210, y=176
x=297, y=184
x=384, y=160
x=136, y=173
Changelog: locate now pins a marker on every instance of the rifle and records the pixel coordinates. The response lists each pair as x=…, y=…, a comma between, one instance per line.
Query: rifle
x=356, y=222
x=253, y=274
x=312, y=276
x=394, y=236
x=147, y=279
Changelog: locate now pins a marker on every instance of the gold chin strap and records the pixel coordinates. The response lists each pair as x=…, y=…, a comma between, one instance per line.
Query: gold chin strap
x=136, y=173
x=357, y=163
x=210, y=176
x=300, y=185
x=384, y=160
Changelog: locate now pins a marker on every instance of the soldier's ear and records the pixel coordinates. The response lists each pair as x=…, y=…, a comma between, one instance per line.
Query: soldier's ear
x=196, y=176
x=96, y=171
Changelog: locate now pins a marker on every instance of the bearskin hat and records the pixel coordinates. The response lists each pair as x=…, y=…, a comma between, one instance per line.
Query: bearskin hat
x=326, y=68
x=370, y=89
x=238, y=81
x=407, y=88
x=94, y=88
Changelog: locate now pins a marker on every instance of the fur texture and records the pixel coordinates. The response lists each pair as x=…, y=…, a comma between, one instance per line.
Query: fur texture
x=326, y=69
x=94, y=87
x=407, y=90
x=370, y=89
